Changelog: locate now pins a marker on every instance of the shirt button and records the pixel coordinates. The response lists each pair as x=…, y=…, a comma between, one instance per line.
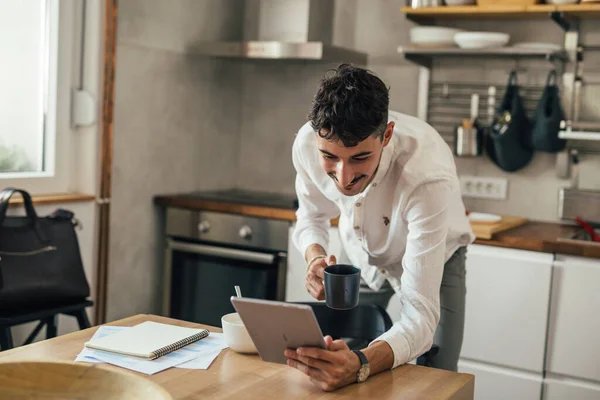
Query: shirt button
x=374, y=185
x=357, y=227
x=358, y=204
x=383, y=271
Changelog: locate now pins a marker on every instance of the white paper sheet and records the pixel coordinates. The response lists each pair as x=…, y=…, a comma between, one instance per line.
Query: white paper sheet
x=198, y=355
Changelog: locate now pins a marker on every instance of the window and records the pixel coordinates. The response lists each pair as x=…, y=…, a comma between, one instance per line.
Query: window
x=41, y=64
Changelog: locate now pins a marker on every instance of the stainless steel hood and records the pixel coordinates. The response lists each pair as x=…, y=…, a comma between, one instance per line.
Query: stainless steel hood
x=285, y=30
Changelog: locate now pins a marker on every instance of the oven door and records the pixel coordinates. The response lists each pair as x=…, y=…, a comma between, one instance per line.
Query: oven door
x=200, y=279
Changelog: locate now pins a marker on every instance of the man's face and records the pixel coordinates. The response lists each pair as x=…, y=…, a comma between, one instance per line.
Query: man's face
x=352, y=168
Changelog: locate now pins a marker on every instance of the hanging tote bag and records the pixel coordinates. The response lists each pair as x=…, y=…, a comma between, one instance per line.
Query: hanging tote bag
x=548, y=116
x=508, y=141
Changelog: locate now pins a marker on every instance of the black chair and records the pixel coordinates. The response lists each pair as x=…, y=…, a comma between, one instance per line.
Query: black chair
x=359, y=326
x=46, y=317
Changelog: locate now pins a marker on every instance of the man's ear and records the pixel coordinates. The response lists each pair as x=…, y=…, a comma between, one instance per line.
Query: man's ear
x=387, y=135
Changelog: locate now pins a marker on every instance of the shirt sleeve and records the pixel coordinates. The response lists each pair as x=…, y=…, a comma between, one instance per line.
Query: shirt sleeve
x=423, y=265
x=315, y=210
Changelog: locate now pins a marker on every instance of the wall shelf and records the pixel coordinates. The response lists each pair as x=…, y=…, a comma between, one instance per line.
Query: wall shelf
x=422, y=56
x=509, y=11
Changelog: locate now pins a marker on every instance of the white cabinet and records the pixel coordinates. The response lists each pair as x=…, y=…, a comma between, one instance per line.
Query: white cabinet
x=296, y=269
x=570, y=389
x=574, y=326
x=507, y=307
x=494, y=383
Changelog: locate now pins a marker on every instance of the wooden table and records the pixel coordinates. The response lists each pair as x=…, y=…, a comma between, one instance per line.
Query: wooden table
x=235, y=376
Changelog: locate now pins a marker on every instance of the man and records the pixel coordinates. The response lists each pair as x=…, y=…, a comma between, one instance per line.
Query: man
x=392, y=181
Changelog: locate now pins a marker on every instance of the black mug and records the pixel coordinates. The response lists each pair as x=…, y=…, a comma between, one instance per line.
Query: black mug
x=342, y=284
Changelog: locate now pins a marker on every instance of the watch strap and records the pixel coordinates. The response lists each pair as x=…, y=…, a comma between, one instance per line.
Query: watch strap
x=362, y=357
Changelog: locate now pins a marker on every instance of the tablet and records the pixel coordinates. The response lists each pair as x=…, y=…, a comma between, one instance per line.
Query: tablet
x=275, y=326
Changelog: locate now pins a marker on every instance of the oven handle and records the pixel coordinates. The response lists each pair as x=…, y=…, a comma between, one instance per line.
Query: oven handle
x=215, y=251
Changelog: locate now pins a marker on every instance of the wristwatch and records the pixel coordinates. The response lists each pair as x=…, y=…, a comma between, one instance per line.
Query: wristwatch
x=365, y=368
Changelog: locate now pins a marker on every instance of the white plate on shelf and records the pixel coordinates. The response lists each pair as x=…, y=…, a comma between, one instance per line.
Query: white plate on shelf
x=481, y=40
x=484, y=218
x=433, y=36
x=538, y=46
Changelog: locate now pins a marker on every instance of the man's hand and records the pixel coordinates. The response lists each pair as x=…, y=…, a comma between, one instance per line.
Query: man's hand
x=328, y=369
x=315, y=274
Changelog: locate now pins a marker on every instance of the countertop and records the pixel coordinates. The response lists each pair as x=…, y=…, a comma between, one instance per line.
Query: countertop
x=533, y=236
x=236, y=376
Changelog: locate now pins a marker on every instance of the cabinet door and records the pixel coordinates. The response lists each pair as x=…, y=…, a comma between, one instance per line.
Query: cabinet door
x=296, y=268
x=493, y=383
x=574, y=326
x=569, y=389
x=506, y=307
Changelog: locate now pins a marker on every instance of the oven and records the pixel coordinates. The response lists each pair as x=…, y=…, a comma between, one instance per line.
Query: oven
x=208, y=253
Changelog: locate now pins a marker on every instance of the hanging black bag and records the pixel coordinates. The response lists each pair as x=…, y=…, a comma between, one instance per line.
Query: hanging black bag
x=508, y=143
x=40, y=261
x=548, y=115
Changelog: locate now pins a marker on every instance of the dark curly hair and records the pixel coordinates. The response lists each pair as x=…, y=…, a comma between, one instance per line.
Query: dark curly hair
x=350, y=105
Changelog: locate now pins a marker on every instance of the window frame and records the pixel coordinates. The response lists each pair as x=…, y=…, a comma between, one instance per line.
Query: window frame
x=64, y=47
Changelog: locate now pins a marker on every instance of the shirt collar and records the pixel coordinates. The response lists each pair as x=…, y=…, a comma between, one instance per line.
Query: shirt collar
x=384, y=163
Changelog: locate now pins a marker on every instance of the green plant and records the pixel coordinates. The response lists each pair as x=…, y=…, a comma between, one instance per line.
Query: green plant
x=14, y=159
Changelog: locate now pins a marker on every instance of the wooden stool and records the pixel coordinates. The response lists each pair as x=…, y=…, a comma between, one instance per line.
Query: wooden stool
x=47, y=316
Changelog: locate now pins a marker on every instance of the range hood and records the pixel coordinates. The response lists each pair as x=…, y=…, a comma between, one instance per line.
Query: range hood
x=285, y=30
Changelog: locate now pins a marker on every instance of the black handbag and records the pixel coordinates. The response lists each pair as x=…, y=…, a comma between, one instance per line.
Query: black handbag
x=548, y=115
x=40, y=261
x=509, y=137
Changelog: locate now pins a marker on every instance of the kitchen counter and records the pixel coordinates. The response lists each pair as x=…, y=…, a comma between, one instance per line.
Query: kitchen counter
x=533, y=236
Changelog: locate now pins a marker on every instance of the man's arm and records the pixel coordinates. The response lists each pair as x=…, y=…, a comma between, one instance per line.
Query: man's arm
x=423, y=266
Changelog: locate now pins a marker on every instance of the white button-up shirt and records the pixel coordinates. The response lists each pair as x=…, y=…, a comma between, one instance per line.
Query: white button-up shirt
x=403, y=227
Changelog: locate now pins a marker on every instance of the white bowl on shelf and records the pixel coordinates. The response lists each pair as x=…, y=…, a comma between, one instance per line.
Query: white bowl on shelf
x=433, y=36
x=460, y=2
x=562, y=1
x=481, y=40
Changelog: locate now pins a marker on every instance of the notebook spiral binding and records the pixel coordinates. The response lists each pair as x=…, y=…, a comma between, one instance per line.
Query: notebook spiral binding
x=178, y=345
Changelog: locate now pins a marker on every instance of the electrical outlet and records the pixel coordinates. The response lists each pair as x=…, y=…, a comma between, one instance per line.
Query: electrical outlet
x=483, y=187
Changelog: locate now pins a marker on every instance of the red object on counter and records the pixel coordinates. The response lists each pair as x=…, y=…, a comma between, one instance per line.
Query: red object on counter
x=588, y=229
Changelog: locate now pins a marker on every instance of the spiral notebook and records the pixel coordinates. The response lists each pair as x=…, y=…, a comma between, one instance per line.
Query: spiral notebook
x=148, y=340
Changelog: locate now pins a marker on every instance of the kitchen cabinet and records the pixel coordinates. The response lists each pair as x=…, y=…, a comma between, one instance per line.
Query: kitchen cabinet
x=296, y=270
x=494, y=383
x=506, y=307
x=570, y=389
x=574, y=325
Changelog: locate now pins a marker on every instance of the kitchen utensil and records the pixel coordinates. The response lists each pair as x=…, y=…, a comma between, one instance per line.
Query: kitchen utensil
x=468, y=137
x=238, y=292
x=595, y=237
x=342, y=286
x=481, y=40
x=433, y=36
x=236, y=335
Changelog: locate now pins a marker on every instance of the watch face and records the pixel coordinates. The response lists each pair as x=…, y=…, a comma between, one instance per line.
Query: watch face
x=363, y=373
